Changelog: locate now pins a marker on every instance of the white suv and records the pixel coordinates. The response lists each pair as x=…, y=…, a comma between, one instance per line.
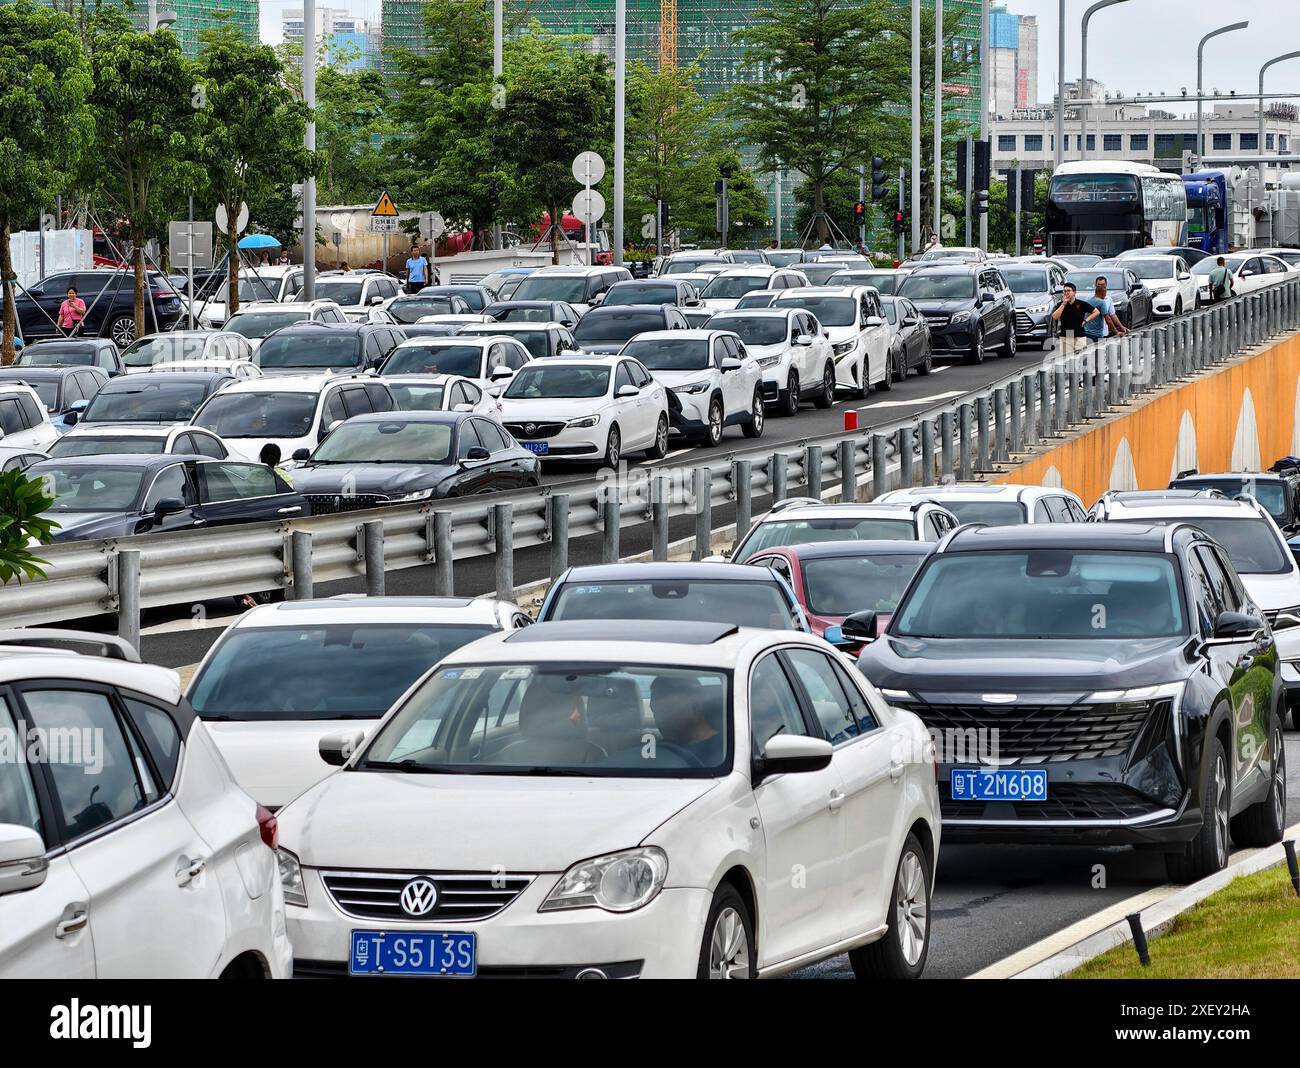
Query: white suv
x=357, y=294
x=713, y=382
x=996, y=504
x=126, y=851
x=793, y=353
x=621, y=799
x=801, y=519
x=255, y=321
x=855, y=324
x=24, y=421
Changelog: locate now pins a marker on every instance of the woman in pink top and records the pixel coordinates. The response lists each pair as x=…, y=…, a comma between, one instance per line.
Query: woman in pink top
x=71, y=312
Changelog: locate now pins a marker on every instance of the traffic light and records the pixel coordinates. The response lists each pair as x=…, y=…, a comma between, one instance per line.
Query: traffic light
x=663, y=216
x=859, y=213
x=900, y=221
x=877, y=178
x=981, y=165
x=982, y=201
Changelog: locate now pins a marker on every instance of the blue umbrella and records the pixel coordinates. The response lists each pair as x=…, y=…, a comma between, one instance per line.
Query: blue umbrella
x=258, y=241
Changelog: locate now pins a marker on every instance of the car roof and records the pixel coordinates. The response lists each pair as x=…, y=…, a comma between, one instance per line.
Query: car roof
x=1135, y=537
x=1244, y=476
x=817, y=550
x=803, y=292
x=624, y=309
x=680, y=571
x=144, y=378
x=866, y=510
x=324, y=328
x=477, y=329
x=951, y=268
x=702, y=333
x=421, y=416
x=147, y=461
x=351, y=608
x=1197, y=507
x=20, y=662
x=770, y=313
x=17, y=375
x=287, y=383
x=450, y=340
x=132, y=430
x=992, y=491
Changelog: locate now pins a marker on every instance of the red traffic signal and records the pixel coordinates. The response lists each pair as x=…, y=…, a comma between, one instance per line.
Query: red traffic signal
x=859, y=213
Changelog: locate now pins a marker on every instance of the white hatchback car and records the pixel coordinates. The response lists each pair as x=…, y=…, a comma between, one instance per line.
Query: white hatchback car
x=127, y=851
x=714, y=382
x=621, y=799
x=800, y=520
x=855, y=324
x=589, y=408
x=1168, y=279
x=442, y=393
x=996, y=504
x=24, y=420
x=111, y=439
x=793, y=353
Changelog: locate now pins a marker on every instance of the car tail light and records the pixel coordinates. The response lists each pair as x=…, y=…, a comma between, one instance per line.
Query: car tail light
x=268, y=827
x=163, y=294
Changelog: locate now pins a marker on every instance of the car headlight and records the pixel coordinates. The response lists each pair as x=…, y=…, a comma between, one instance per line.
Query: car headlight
x=1038, y=309
x=691, y=387
x=616, y=882
x=584, y=422
x=844, y=346
x=295, y=890
x=1287, y=618
x=962, y=316
x=417, y=495
x=769, y=361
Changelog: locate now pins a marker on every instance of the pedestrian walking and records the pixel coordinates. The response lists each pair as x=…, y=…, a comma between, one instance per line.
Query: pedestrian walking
x=1220, y=281
x=1107, y=323
x=417, y=270
x=1072, y=316
x=72, y=312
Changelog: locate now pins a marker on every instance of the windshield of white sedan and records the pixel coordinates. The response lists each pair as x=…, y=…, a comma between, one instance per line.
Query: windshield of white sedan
x=393, y=442
x=463, y=360
x=152, y=403
x=990, y=513
x=318, y=349
x=1156, y=267
x=804, y=531
x=749, y=604
x=88, y=445
x=258, y=415
x=411, y=397
x=535, y=383
x=616, y=326
x=752, y=329
x=830, y=311
x=735, y=285
x=256, y=324
x=1044, y=593
x=340, y=671
x=669, y=354
x=561, y=719
x=150, y=350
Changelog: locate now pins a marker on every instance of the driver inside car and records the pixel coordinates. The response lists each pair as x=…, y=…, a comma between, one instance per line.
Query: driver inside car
x=552, y=727
x=681, y=712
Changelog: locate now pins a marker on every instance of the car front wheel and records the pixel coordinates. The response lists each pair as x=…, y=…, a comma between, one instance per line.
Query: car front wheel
x=976, y=354
x=1264, y=822
x=1207, y=853
x=728, y=948
x=826, y=395
x=753, y=426
x=902, y=952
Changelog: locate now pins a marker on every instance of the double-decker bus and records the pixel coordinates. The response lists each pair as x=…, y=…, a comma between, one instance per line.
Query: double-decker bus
x=1104, y=207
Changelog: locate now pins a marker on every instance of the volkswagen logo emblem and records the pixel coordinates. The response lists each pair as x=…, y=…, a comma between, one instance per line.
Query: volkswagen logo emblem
x=419, y=896
x=530, y=429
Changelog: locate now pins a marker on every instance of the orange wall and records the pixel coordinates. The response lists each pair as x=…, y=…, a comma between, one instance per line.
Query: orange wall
x=1086, y=463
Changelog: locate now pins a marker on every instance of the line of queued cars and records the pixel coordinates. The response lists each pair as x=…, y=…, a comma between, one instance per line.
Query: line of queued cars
x=726, y=768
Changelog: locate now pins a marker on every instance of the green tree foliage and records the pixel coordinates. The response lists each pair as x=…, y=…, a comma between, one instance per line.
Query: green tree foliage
x=839, y=195
x=23, y=502
x=45, y=125
x=250, y=129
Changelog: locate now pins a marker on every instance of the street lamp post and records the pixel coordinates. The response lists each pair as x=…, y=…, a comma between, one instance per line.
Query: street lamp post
x=620, y=81
x=309, y=183
x=984, y=109
x=937, y=162
x=1259, y=145
x=1083, y=74
x=1057, y=148
x=916, y=124
x=1200, y=90
x=498, y=67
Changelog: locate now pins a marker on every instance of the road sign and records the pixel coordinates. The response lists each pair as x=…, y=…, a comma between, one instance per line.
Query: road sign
x=589, y=205
x=385, y=208
x=588, y=168
x=384, y=224
x=223, y=219
x=432, y=225
x=190, y=245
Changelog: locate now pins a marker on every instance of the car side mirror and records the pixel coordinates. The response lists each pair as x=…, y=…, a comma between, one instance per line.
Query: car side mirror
x=627, y=391
x=1246, y=274
x=463, y=407
x=803, y=339
x=693, y=302
x=168, y=506
x=326, y=431
x=301, y=455
x=596, y=299
x=875, y=320
x=477, y=454
x=731, y=364
x=337, y=749
x=22, y=859
x=790, y=754
x=500, y=373
x=861, y=626
x=494, y=391
x=1232, y=627
x=73, y=416
x=376, y=299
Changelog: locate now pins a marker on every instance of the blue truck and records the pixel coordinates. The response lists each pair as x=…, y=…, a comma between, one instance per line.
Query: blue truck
x=1208, y=223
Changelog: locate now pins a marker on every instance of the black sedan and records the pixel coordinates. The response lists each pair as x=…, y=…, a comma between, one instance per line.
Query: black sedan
x=405, y=457
x=151, y=397
x=113, y=496
x=605, y=330
x=477, y=297
x=911, y=342
x=59, y=387
x=73, y=352
x=323, y=348
x=1130, y=296
x=533, y=311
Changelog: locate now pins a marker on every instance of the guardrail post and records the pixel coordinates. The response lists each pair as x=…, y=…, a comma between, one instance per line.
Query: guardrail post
x=1124, y=353
x=1044, y=406
x=778, y=477
x=848, y=473
x=503, y=526
x=982, y=434
x=128, y=596
x=905, y=458
x=1059, y=411
x=1014, y=392
x=611, y=511
x=300, y=553
x=559, y=525
x=947, y=470
x=812, y=470
x=1112, y=374
x=1000, y=425
x=1029, y=387
x=443, y=579
x=659, y=518
x=879, y=466
x=927, y=451
x=741, y=473
x=965, y=416
x=703, y=513
x=372, y=544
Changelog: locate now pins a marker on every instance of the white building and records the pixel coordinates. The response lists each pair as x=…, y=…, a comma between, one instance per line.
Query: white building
x=329, y=20
x=1013, y=61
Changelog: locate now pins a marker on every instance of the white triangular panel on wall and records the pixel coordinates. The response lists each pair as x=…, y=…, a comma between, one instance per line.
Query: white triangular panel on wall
x=1052, y=477
x=1123, y=475
x=1245, y=443
x=1185, y=449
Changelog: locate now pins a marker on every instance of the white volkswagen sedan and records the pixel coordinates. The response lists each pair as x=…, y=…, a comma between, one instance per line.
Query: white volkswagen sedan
x=714, y=382
x=587, y=408
x=618, y=800
x=793, y=353
x=855, y=325
x=1170, y=281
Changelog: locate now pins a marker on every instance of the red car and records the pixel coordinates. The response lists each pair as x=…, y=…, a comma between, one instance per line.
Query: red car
x=834, y=579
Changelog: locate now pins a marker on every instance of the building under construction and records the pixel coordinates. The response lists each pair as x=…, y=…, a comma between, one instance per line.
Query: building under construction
x=192, y=16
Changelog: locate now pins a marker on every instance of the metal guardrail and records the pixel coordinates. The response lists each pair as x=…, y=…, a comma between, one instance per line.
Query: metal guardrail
x=960, y=439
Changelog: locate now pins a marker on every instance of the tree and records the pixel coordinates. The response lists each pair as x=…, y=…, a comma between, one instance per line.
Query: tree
x=45, y=124
x=822, y=105
x=23, y=501
x=251, y=128
x=839, y=195
x=145, y=128
x=556, y=104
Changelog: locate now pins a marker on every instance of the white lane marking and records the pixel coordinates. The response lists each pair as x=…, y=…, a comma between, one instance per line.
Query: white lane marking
x=913, y=400
x=675, y=452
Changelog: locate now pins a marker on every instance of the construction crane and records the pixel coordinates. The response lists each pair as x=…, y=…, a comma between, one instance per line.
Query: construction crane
x=667, y=35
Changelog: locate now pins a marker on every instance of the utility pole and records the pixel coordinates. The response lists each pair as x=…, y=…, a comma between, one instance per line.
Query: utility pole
x=620, y=86
x=1058, y=149
x=1018, y=191
x=1276, y=59
x=1200, y=90
x=916, y=124
x=984, y=103
x=937, y=162
x=902, y=207
x=498, y=68
x=777, y=200
x=309, y=183
x=1084, y=109
x=968, y=146
x=862, y=199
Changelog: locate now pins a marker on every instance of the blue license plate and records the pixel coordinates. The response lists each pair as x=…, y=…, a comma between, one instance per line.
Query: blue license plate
x=999, y=784
x=445, y=953
x=539, y=447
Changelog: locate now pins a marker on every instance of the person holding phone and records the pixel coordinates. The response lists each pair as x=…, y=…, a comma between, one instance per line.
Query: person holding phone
x=1071, y=314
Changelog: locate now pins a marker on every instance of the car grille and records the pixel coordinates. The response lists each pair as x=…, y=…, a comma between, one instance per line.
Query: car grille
x=1065, y=801
x=1023, y=323
x=1042, y=734
x=376, y=895
x=533, y=431
x=938, y=320
x=333, y=503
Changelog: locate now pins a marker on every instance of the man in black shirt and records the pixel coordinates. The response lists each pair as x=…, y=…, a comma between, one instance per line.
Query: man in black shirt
x=1071, y=314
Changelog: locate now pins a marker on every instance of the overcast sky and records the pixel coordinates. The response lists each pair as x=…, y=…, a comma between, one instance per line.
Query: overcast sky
x=1150, y=45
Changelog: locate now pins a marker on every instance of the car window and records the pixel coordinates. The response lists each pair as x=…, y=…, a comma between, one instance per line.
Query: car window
x=11, y=417
x=207, y=445
x=1208, y=602
x=92, y=793
x=773, y=707
x=356, y=401
x=17, y=798
x=171, y=482
x=1059, y=510
x=160, y=737
x=183, y=445
x=492, y=436
x=932, y=531
x=824, y=692
x=1041, y=514
x=622, y=377
x=777, y=564
x=470, y=392
x=1077, y=514
x=862, y=710
x=1220, y=583
x=236, y=482
x=334, y=410
x=380, y=399
x=468, y=439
